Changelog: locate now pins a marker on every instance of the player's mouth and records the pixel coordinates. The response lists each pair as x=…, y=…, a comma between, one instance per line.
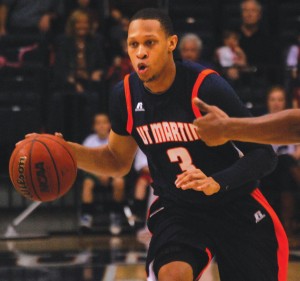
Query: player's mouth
x=142, y=68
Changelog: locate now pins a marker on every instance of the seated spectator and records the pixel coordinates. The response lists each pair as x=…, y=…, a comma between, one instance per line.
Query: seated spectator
x=78, y=74
x=90, y=182
x=29, y=16
x=230, y=56
x=115, y=32
x=79, y=58
x=280, y=186
x=293, y=68
x=91, y=8
x=190, y=48
x=292, y=58
x=261, y=50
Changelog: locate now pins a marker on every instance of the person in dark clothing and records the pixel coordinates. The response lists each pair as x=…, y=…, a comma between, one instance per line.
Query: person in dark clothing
x=254, y=39
x=78, y=74
x=208, y=202
x=29, y=16
x=260, y=47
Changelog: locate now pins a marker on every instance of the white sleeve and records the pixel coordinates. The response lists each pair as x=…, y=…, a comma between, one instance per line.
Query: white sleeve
x=140, y=161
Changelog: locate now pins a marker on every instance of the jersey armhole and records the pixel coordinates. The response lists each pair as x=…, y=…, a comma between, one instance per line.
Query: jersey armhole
x=202, y=75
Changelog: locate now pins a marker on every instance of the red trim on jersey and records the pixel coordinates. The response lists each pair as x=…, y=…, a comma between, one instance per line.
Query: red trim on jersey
x=208, y=252
x=202, y=75
x=128, y=104
x=283, y=246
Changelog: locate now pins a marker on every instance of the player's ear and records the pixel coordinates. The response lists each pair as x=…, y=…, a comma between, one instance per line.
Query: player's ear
x=172, y=42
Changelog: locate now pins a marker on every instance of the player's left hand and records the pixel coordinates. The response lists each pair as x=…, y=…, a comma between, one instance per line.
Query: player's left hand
x=195, y=179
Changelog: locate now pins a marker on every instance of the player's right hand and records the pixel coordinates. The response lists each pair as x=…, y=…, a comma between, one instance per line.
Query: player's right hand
x=212, y=126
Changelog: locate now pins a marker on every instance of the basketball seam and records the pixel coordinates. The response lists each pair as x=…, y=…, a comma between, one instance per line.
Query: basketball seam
x=30, y=170
x=66, y=149
x=54, y=164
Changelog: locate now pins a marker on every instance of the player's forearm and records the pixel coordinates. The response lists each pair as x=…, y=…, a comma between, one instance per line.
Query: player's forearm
x=98, y=160
x=279, y=128
x=251, y=167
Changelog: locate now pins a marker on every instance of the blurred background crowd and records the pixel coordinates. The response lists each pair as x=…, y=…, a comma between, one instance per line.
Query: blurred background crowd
x=60, y=59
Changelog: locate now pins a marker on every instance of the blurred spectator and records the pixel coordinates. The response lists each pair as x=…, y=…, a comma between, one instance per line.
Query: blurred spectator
x=293, y=55
x=29, y=16
x=115, y=32
x=78, y=74
x=280, y=186
x=120, y=67
x=293, y=69
x=90, y=182
x=261, y=49
x=190, y=48
x=230, y=56
x=91, y=8
x=254, y=39
x=80, y=58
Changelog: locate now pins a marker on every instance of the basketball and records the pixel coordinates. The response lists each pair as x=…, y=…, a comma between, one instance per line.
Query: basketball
x=42, y=167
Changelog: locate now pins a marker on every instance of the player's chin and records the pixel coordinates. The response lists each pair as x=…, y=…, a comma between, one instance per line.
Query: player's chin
x=148, y=79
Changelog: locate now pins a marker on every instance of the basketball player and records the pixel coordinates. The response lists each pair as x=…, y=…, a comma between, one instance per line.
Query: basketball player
x=216, y=128
x=208, y=201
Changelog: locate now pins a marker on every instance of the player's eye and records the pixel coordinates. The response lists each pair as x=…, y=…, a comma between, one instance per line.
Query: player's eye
x=133, y=44
x=150, y=43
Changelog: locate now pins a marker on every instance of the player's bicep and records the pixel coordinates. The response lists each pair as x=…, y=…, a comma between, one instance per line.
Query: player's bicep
x=215, y=90
x=123, y=148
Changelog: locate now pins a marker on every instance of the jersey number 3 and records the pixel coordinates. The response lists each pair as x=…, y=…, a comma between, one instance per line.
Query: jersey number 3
x=182, y=156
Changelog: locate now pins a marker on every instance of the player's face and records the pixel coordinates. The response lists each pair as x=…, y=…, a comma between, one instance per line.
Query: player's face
x=150, y=49
x=102, y=125
x=251, y=13
x=276, y=101
x=190, y=51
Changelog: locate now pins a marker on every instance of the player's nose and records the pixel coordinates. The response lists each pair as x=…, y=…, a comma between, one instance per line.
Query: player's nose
x=141, y=52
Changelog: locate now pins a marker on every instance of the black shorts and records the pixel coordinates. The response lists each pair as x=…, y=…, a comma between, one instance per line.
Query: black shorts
x=245, y=236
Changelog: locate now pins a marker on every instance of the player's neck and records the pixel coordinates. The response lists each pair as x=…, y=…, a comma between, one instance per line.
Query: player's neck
x=162, y=83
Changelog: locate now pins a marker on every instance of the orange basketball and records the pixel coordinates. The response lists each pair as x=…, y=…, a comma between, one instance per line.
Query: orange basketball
x=42, y=167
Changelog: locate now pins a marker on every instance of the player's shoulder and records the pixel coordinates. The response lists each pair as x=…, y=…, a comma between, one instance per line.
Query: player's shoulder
x=119, y=87
x=192, y=68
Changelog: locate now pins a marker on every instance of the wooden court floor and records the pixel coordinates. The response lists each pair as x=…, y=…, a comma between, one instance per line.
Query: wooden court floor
x=88, y=258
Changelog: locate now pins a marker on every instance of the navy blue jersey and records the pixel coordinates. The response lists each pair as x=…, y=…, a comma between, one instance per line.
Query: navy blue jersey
x=162, y=126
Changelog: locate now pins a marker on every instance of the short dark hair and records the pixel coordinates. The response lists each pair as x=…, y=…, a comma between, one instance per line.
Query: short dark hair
x=155, y=14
